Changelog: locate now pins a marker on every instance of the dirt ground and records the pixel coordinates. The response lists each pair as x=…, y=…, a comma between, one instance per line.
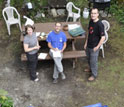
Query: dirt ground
x=75, y=91
x=14, y=78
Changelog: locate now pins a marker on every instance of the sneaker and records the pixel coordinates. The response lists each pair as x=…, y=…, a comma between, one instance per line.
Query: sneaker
x=37, y=73
x=37, y=79
x=55, y=81
x=91, y=78
x=63, y=76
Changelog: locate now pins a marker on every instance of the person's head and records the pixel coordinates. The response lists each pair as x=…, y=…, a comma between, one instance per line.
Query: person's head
x=29, y=29
x=94, y=14
x=58, y=26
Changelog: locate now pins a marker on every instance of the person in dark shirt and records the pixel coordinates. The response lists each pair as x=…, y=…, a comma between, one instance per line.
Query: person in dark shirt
x=94, y=40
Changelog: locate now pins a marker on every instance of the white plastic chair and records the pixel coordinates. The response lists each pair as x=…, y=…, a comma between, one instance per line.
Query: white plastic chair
x=106, y=25
x=102, y=46
x=72, y=14
x=106, y=39
x=9, y=17
x=28, y=21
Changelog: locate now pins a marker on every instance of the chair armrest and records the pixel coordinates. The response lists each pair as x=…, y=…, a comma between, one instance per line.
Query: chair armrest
x=3, y=12
x=77, y=9
x=16, y=12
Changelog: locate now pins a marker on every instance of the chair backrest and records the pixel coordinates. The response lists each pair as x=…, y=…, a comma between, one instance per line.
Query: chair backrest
x=106, y=27
x=106, y=37
x=69, y=6
x=106, y=24
x=8, y=12
x=28, y=21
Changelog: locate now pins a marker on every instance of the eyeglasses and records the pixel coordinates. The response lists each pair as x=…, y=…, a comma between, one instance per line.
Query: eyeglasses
x=58, y=26
x=94, y=13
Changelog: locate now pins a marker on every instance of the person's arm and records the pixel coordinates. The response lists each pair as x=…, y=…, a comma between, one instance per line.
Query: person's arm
x=99, y=44
x=85, y=45
x=64, y=46
x=49, y=42
x=102, y=34
x=27, y=49
x=64, y=42
x=50, y=46
x=38, y=43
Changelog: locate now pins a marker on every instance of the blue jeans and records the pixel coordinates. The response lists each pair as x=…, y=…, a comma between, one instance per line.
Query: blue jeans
x=92, y=60
x=32, y=64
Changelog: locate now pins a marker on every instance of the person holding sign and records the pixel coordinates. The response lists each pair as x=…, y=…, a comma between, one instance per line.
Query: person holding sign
x=57, y=44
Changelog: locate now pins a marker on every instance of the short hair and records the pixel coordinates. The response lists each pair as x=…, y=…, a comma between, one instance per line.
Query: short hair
x=95, y=9
x=29, y=26
x=58, y=23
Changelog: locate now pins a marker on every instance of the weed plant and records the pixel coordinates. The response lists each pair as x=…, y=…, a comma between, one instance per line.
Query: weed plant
x=117, y=10
x=5, y=101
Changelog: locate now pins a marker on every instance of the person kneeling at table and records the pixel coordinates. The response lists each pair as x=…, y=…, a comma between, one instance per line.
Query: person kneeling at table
x=57, y=44
x=31, y=47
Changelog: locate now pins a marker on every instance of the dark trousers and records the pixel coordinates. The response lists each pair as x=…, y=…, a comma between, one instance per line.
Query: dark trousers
x=92, y=60
x=32, y=64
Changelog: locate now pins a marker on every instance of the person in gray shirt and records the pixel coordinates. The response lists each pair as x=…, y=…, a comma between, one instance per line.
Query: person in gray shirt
x=31, y=47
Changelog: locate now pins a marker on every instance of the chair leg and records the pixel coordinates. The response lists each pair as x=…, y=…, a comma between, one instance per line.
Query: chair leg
x=103, y=53
x=67, y=19
x=20, y=27
x=8, y=28
x=74, y=20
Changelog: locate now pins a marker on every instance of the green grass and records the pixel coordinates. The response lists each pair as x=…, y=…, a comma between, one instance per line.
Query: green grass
x=108, y=88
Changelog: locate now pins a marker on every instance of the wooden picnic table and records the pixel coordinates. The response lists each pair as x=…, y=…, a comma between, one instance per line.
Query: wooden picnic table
x=47, y=27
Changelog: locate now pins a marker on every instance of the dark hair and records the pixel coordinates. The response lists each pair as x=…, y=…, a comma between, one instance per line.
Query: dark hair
x=29, y=26
x=95, y=9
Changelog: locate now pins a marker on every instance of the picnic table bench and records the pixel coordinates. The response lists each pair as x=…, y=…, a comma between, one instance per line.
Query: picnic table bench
x=47, y=27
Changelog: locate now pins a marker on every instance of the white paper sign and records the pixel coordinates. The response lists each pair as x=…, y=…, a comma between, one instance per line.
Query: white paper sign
x=72, y=26
x=56, y=53
x=42, y=55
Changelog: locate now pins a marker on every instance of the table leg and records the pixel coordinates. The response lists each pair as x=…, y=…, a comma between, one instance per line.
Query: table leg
x=73, y=48
x=74, y=62
x=73, y=44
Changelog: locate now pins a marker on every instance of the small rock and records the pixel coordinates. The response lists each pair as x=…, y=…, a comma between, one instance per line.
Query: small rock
x=104, y=14
x=16, y=89
x=109, y=15
x=38, y=15
x=61, y=12
x=42, y=14
x=54, y=12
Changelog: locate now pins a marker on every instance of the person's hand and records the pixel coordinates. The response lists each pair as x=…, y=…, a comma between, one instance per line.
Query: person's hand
x=37, y=47
x=56, y=49
x=95, y=48
x=61, y=51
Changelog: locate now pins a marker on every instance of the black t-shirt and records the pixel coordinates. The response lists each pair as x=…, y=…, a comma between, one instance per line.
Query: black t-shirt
x=96, y=30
